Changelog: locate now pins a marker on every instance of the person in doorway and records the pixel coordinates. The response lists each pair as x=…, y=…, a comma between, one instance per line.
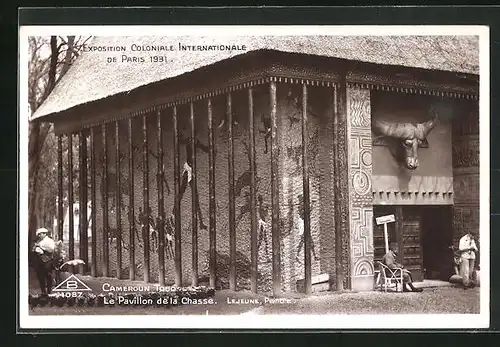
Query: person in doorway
x=389, y=260
x=467, y=247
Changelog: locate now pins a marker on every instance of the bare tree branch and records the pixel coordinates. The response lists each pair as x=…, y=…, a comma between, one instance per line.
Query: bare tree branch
x=49, y=60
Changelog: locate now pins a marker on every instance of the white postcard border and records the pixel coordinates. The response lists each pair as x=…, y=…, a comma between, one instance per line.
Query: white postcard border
x=249, y=321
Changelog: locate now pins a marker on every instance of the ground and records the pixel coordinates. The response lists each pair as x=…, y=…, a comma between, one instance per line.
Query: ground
x=435, y=299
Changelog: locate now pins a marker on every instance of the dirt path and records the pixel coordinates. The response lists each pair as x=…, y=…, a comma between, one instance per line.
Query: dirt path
x=432, y=300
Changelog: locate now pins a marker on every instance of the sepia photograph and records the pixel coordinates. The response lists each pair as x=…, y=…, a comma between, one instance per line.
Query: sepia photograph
x=254, y=177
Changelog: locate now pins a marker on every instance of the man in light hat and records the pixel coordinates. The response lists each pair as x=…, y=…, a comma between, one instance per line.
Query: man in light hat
x=44, y=244
x=44, y=249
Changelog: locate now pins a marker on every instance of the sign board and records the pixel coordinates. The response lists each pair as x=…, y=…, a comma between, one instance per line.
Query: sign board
x=385, y=219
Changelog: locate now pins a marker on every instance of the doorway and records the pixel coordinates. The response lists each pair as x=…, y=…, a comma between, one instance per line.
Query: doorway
x=423, y=235
x=437, y=237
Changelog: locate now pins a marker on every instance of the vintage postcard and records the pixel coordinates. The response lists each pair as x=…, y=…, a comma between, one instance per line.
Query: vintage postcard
x=254, y=177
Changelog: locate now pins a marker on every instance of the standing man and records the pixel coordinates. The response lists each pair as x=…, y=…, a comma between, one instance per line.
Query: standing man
x=44, y=245
x=44, y=248
x=468, y=249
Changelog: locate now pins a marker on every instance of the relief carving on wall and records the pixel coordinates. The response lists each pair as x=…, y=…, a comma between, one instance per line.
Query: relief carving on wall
x=360, y=176
x=466, y=188
x=466, y=152
x=465, y=155
x=404, y=139
x=293, y=166
x=469, y=122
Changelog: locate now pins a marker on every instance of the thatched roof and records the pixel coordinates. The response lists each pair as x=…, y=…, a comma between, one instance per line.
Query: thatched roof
x=92, y=78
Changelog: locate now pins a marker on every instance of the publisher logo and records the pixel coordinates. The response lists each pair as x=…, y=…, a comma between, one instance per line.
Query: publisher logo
x=72, y=284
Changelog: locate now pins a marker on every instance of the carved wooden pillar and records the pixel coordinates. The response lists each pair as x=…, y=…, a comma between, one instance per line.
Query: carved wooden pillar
x=341, y=187
x=177, y=201
x=93, y=199
x=253, y=193
x=343, y=182
x=465, y=137
x=194, y=194
x=131, y=212
x=307, y=202
x=118, y=199
x=145, y=198
x=360, y=187
x=275, y=227
x=70, y=200
x=161, y=198
x=231, y=207
x=211, y=193
x=105, y=205
x=82, y=200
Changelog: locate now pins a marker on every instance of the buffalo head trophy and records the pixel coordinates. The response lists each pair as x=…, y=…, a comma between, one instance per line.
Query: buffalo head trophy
x=404, y=139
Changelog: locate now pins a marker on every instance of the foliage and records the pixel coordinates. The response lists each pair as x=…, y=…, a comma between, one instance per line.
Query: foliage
x=49, y=60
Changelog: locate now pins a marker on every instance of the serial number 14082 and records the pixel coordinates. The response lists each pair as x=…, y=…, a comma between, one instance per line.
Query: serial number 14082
x=68, y=294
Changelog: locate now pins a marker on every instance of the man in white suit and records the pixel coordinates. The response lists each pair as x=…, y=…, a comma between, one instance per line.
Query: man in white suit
x=468, y=249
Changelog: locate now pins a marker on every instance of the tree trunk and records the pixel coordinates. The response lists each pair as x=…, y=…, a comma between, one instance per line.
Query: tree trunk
x=33, y=157
x=38, y=133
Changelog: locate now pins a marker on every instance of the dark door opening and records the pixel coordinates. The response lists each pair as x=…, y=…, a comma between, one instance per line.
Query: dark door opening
x=423, y=235
x=437, y=237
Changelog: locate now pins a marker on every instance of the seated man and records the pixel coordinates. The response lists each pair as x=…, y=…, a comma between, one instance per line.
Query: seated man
x=389, y=260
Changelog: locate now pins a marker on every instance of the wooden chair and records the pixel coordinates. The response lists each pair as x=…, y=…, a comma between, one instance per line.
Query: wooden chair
x=389, y=278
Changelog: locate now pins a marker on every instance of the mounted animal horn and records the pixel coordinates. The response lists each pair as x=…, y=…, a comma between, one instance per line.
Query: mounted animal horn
x=394, y=129
x=430, y=124
x=410, y=136
x=405, y=130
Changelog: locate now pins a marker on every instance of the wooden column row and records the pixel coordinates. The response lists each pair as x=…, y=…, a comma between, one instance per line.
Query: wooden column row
x=161, y=219
x=82, y=197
